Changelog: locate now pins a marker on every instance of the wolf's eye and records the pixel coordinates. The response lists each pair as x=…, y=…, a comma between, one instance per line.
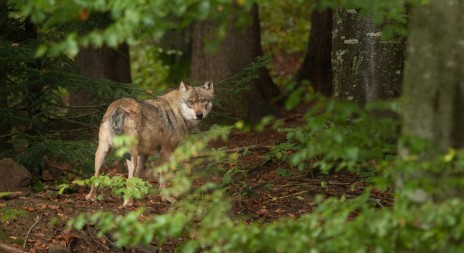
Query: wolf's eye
x=204, y=101
x=190, y=102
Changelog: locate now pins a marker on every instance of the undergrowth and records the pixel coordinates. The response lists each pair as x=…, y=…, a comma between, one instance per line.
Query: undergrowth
x=332, y=131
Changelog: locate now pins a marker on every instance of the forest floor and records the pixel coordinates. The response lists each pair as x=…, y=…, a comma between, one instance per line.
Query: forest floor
x=41, y=226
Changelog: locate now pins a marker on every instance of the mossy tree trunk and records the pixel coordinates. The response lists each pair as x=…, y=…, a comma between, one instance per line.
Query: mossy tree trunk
x=433, y=93
x=237, y=50
x=317, y=66
x=434, y=74
x=365, y=68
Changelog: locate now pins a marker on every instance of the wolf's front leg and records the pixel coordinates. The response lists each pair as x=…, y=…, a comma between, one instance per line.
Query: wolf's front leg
x=162, y=185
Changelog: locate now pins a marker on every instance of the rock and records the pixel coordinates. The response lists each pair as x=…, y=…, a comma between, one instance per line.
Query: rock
x=13, y=175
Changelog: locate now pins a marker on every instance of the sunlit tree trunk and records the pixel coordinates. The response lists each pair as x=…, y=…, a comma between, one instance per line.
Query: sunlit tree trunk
x=238, y=49
x=365, y=68
x=317, y=66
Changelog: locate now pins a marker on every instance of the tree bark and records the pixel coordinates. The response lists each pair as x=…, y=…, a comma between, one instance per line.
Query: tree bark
x=434, y=74
x=317, y=66
x=433, y=98
x=106, y=63
x=237, y=50
x=365, y=68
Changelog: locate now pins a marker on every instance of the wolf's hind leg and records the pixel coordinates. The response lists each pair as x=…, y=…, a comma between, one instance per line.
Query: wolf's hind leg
x=131, y=167
x=140, y=165
x=100, y=156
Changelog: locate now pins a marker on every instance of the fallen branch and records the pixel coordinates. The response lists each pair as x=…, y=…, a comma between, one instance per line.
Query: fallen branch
x=6, y=248
x=14, y=195
x=28, y=232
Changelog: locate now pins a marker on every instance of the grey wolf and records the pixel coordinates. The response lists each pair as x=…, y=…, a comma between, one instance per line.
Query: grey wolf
x=157, y=124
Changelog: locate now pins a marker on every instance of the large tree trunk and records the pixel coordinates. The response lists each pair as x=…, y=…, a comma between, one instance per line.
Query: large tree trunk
x=434, y=74
x=365, y=68
x=106, y=63
x=317, y=66
x=112, y=64
x=433, y=92
x=237, y=50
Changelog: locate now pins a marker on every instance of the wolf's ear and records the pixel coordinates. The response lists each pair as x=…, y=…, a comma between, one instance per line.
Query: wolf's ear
x=183, y=87
x=209, y=86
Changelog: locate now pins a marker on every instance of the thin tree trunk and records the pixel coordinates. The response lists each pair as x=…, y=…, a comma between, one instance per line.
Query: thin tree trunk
x=317, y=66
x=365, y=68
x=237, y=50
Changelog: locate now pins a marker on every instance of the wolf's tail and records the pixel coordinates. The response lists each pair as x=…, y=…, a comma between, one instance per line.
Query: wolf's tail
x=117, y=126
x=117, y=122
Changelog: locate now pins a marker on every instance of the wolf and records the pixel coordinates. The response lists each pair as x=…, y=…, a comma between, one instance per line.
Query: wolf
x=157, y=124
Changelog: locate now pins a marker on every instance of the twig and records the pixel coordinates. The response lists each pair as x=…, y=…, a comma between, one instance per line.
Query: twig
x=72, y=130
x=255, y=147
x=78, y=106
x=377, y=201
x=283, y=197
x=28, y=232
x=317, y=181
x=70, y=120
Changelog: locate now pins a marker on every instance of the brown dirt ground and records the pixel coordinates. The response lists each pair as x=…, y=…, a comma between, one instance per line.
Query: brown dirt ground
x=264, y=197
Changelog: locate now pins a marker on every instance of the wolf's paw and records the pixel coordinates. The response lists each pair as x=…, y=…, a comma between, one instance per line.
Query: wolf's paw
x=91, y=196
x=127, y=203
x=169, y=199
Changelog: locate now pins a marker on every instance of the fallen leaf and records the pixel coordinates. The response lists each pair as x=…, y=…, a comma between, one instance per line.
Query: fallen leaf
x=40, y=234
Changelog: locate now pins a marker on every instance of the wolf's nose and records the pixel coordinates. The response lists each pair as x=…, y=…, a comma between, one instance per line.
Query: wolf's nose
x=199, y=115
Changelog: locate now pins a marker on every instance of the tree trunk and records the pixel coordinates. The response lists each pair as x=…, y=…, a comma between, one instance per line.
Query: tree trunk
x=112, y=64
x=434, y=74
x=365, y=68
x=237, y=50
x=433, y=98
x=317, y=66
x=107, y=63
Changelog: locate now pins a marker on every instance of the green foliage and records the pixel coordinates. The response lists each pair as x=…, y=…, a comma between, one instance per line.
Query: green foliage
x=33, y=91
x=34, y=151
x=133, y=21
x=7, y=214
x=123, y=144
x=340, y=135
x=201, y=216
x=281, y=18
x=148, y=71
x=128, y=188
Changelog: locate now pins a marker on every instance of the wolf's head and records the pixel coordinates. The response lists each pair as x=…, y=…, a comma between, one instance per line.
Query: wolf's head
x=196, y=102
